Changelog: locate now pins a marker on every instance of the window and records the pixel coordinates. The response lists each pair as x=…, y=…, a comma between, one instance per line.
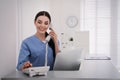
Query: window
x=95, y=17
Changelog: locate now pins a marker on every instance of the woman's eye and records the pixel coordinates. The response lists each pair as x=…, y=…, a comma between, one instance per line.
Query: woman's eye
x=39, y=22
x=46, y=23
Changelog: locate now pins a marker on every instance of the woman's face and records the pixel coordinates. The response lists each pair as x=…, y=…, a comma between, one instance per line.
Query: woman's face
x=42, y=24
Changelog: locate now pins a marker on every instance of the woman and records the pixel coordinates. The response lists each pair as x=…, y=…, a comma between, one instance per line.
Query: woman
x=33, y=49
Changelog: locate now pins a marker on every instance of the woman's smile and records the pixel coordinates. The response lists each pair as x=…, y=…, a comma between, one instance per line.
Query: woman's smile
x=42, y=29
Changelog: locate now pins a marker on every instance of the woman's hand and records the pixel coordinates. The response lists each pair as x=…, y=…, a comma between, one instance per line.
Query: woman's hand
x=26, y=65
x=54, y=37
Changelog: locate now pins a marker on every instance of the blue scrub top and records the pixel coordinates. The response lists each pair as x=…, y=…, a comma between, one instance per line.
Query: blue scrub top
x=33, y=50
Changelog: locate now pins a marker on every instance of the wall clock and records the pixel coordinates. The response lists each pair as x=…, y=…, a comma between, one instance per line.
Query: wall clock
x=72, y=21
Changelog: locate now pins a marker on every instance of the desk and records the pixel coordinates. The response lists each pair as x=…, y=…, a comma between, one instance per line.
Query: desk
x=89, y=70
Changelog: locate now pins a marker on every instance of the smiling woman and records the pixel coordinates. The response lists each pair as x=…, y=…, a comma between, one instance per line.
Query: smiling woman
x=33, y=48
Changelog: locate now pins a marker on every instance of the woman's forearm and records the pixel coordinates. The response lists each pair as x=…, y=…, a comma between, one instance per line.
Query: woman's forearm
x=56, y=47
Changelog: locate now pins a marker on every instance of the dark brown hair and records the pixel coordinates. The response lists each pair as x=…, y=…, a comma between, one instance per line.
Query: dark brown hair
x=43, y=13
x=51, y=43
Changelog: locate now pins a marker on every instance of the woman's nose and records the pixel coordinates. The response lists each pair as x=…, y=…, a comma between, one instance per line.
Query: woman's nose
x=42, y=25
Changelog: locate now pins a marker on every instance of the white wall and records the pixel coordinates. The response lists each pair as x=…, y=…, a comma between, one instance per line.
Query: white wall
x=7, y=36
x=61, y=10
x=118, y=34
x=115, y=33
x=114, y=25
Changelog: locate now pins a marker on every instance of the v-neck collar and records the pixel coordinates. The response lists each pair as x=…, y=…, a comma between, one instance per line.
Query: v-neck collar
x=39, y=39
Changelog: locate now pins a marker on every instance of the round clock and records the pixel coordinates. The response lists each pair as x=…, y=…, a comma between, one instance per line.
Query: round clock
x=72, y=21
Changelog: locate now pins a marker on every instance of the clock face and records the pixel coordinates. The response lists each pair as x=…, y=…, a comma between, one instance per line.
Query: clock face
x=72, y=21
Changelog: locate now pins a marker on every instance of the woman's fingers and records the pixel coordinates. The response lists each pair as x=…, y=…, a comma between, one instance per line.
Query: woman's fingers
x=26, y=65
x=52, y=33
x=51, y=29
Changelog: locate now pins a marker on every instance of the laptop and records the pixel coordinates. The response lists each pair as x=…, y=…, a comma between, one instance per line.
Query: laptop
x=68, y=60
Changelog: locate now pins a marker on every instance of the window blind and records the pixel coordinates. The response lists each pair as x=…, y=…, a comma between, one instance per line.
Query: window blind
x=95, y=17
